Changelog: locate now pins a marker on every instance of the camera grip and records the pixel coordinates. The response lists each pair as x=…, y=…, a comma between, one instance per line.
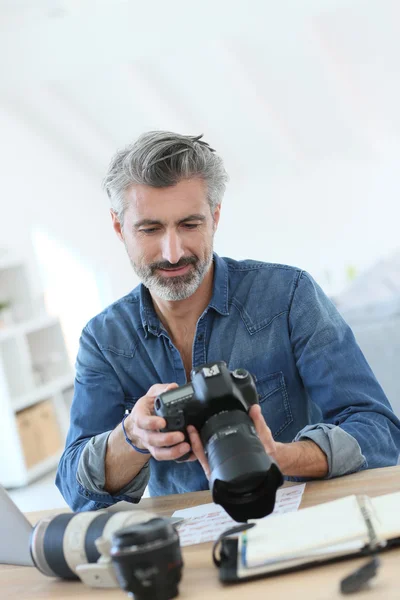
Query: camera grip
x=177, y=423
x=185, y=456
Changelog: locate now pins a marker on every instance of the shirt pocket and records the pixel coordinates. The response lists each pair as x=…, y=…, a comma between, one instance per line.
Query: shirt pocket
x=274, y=401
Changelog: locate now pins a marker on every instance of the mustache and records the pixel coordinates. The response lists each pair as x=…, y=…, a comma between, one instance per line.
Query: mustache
x=182, y=262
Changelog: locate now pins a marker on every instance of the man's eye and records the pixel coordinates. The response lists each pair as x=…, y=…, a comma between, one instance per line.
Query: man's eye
x=149, y=230
x=190, y=225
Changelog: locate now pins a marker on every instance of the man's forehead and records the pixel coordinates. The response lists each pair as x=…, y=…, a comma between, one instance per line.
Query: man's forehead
x=173, y=202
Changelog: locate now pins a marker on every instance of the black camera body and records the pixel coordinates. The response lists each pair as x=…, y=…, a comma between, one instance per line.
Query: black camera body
x=243, y=478
x=214, y=389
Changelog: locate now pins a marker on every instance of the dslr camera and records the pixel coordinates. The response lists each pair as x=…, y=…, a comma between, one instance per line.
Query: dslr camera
x=243, y=478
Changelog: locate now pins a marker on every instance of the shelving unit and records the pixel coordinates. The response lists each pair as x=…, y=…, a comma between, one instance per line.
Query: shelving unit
x=36, y=383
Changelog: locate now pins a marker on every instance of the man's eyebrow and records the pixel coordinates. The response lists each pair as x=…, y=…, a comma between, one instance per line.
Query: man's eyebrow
x=195, y=217
x=152, y=222
x=147, y=222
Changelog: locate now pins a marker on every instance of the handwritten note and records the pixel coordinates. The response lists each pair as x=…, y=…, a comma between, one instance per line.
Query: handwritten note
x=206, y=522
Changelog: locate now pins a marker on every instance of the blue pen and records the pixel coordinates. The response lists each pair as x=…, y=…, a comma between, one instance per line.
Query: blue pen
x=244, y=548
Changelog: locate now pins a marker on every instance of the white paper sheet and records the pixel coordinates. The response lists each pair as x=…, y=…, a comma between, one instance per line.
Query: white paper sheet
x=206, y=522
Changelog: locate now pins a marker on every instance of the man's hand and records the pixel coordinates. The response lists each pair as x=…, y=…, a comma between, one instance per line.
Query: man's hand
x=142, y=428
x=297, y=459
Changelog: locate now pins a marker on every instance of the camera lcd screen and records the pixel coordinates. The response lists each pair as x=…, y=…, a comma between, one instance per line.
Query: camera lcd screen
x=177, y=394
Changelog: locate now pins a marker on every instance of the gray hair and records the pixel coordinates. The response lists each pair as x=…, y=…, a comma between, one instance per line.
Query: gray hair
x=162, y=159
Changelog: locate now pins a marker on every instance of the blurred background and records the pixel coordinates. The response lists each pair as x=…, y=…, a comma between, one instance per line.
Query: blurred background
x=301, y=99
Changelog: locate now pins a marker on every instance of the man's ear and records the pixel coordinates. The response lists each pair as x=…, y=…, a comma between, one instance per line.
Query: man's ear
x=216, y=216
x=117, y=226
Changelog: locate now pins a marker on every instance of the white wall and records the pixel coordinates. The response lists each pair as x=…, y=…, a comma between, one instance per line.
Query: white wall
x=41, y=190
x=324, y=217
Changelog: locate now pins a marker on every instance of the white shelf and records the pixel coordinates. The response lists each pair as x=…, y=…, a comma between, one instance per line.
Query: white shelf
x=43, y=467
x=35, y=374
x=42, y=392
x=27, y=326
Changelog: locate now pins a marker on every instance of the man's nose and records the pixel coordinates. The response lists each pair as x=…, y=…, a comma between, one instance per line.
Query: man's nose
x=172, y=250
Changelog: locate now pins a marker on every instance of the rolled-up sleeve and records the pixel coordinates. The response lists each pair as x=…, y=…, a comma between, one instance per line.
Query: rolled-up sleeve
x=97, y=408
x=91, y=470
x=357, y=428
x=342, y=450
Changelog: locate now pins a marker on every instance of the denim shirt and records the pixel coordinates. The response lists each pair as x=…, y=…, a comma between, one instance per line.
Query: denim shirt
x=273, y=320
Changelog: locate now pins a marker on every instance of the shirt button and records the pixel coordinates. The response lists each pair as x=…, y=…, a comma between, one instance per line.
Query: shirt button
x=200, y=337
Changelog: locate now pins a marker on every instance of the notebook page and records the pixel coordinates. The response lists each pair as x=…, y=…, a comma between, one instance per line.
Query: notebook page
x=297, y=534
x=387, y=511
x=313, y=556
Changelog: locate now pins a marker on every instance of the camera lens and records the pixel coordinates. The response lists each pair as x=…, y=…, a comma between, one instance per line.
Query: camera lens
x=147, y=560
x=60, y=545
x=243, y=477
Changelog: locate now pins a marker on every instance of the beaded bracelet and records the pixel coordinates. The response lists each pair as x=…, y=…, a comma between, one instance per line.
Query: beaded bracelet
x=142, y=451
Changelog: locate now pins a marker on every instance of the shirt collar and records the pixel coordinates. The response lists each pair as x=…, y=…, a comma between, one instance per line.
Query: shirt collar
x=219, y=300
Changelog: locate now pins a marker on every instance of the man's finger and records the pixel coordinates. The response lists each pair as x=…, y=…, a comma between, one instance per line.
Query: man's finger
x=191, y=458
x=150, y=422
x=160, y=388
x=144, y=408
x=161, y=440
x=198, y=450
x=170, y=453
x=262, y=429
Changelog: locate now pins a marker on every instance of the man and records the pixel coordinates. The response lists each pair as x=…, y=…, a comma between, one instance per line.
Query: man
x=321, y=414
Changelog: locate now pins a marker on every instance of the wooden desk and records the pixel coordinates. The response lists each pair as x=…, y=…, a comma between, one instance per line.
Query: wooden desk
x=200, y=577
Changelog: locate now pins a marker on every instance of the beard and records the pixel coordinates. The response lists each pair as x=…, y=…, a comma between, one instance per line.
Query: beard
x=175, y=288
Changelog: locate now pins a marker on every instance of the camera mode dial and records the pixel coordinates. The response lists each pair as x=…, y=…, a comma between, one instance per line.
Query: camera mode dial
x=240, y=373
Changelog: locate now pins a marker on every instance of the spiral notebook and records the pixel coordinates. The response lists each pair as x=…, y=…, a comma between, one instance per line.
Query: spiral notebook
x=345, y=527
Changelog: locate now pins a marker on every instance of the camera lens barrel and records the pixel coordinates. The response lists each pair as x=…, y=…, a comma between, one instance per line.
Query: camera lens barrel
x=147, y=560
x=227, y=437
x=59, y=544
x=243, y=477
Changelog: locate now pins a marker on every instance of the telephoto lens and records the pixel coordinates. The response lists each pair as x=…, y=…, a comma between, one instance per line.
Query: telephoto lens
x=147, y=560
x=76, y=546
